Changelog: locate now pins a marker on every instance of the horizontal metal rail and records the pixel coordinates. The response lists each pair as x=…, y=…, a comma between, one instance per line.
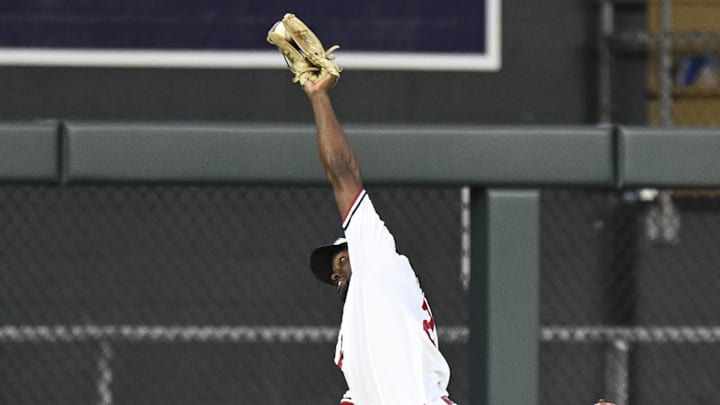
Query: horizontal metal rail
x=643, y=38
x=662, y=334
x=202, y=334
x=327, y=334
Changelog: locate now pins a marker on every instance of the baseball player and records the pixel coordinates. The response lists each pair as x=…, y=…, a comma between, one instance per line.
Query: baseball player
x=387, y=347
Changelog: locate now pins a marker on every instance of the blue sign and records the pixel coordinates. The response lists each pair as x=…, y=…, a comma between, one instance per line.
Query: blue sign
x=377, y=34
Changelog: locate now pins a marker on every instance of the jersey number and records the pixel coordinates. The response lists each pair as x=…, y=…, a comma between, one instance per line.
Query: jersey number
x=429, y=324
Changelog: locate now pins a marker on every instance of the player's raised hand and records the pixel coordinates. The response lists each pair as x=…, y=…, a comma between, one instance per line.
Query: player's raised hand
x=322, y=85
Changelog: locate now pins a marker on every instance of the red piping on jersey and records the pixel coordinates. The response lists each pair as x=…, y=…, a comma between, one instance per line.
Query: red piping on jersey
x=352, y=205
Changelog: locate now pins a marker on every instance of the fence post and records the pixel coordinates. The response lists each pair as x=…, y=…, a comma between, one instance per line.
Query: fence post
x=504, y=297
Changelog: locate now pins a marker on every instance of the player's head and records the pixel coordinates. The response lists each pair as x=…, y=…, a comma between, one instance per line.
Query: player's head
x=331, y=265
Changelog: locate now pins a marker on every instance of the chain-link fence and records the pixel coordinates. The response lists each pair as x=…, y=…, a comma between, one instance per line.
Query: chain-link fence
x=189, y=295
x=630, y=308
x=179, y=294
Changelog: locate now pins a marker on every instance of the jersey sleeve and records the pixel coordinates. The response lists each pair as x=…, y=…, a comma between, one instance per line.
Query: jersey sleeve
x=371, y=245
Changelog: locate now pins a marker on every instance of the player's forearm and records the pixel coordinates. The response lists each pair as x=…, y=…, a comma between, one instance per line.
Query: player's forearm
x=336, y=154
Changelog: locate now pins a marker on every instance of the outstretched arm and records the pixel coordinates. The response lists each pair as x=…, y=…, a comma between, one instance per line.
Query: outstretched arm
x=336, y=154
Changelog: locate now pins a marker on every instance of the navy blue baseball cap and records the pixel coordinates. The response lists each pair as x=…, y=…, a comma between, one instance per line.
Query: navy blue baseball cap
x=321, y=260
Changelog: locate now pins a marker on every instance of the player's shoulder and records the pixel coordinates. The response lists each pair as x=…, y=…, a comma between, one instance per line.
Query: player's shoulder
x=352, y=211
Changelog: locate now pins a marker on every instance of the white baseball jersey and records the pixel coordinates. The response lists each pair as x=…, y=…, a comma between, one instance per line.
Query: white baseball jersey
x=388, y=346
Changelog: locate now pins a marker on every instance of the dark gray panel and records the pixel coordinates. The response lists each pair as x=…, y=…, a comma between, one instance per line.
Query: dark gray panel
x=486, y=155
x=29, y=151
x=208, y=153
x=669, y=156
x=402, y=154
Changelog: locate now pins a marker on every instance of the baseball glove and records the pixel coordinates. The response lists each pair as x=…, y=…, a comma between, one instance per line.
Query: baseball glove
x=304, y=53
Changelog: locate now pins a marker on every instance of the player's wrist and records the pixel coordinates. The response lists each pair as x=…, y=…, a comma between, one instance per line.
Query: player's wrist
x=318, y=96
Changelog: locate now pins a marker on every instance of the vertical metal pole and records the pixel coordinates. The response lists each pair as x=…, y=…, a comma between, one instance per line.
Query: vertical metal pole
x=465, y=237
x=665, y=55
x=617, y=372
x=105, y=374
x=605, y=63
